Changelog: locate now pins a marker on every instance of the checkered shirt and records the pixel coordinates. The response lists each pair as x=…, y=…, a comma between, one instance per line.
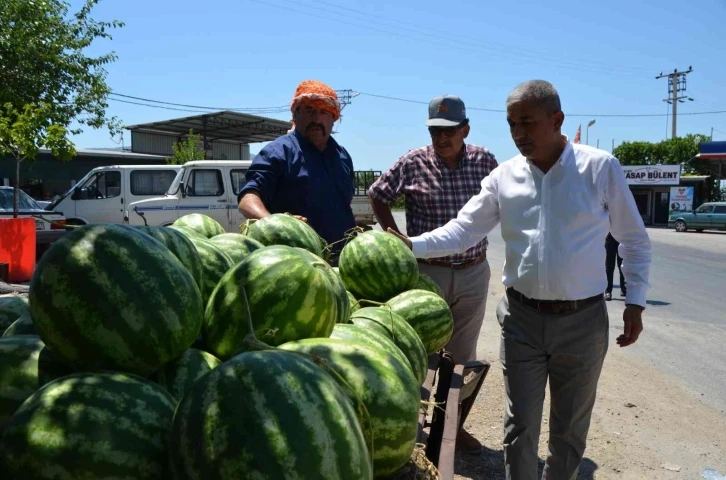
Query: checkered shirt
x=434, y=193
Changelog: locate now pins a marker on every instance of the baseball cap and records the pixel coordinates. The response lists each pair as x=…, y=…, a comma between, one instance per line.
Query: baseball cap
x=446, y=111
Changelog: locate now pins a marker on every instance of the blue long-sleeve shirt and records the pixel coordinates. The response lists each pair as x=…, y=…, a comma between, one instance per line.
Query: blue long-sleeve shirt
x=293, y=176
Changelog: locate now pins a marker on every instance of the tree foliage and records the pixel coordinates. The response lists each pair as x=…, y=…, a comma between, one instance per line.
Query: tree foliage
x=50, y=87
x=23, y=132
x=186, y=150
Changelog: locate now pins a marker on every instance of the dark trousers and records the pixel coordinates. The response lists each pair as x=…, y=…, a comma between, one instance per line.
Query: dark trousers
x=611, y=253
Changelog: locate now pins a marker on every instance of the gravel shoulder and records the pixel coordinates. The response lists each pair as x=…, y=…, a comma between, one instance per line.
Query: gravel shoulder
x=667, y=433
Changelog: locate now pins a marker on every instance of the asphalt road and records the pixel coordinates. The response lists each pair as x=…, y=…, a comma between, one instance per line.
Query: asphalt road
x=685, y=323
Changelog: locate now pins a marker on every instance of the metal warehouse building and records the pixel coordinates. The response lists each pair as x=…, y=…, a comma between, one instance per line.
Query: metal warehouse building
x=224, y=135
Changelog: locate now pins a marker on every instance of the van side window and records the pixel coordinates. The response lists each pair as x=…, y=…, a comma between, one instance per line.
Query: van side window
x=720, y=209
x=705, y=209
x=205, y=183
x=151, y=182
x=238, y=180
x=103, y=185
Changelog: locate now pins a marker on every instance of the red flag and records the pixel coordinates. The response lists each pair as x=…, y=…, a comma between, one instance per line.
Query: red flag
x=577, y=135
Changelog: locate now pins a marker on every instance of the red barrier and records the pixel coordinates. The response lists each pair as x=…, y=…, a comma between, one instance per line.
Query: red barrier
x=17, y=247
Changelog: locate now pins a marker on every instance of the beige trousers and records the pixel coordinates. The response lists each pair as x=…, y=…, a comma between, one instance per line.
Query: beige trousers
x=466, y=293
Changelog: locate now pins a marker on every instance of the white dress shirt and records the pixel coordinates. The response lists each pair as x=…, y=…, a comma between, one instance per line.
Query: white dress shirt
x=554, y=226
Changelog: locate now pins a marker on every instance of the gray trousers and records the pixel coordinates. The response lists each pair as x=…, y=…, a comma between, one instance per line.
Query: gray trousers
x=466, y=293
x=568, y=349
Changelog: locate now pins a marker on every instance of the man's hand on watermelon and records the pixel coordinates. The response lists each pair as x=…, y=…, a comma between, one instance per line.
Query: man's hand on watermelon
x=403, y=237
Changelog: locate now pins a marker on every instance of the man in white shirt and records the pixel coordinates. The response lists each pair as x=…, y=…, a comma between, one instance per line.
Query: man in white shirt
x=556, y=202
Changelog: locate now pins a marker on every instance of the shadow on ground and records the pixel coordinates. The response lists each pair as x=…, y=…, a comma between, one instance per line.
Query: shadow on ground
x=489, y=465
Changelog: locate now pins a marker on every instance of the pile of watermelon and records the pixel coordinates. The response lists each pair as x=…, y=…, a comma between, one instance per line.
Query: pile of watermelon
x=185, y=352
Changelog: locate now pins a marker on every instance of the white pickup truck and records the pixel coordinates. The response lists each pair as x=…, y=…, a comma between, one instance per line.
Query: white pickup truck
x=211, y=187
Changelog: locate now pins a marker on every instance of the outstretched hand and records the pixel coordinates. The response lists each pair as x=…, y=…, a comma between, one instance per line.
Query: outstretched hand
x=403, y=237
x=632, y=325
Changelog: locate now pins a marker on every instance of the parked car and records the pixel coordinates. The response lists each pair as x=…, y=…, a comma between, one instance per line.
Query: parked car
x=211, y=187
x=709, y=216
x=27, y=207
x=103, y=195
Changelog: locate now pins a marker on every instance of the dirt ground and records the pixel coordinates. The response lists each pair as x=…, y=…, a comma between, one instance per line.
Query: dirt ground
x=644, y=426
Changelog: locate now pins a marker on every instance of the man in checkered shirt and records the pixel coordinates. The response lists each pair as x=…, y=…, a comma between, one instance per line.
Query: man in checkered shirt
x=437, y=181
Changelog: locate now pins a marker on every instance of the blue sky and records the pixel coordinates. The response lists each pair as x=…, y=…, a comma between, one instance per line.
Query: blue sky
x=603, y=58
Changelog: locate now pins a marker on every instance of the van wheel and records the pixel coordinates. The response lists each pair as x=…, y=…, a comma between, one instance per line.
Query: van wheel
x=681, y=226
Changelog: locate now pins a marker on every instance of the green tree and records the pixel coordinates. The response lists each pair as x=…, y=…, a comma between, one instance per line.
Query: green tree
x=186, y=150
x=23, y=136
x=50, y=88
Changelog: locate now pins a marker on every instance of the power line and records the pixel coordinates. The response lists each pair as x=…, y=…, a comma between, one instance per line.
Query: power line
x=345, y=97
x=492, y=110
x=199, y=107
x=396, y=28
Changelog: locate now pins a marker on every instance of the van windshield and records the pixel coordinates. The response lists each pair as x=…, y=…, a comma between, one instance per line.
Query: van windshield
x=174, y=187
x=82, y=181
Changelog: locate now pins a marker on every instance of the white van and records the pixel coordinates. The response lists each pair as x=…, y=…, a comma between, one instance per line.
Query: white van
x=211, y=187
x=201, y=186
x=104, y=194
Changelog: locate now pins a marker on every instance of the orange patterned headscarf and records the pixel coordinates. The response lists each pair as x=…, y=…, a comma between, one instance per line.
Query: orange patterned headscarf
x=318, y=95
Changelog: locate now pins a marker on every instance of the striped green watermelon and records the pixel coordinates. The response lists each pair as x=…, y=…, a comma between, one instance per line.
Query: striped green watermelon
x=236, y=245
x=267, y=415
x=292, y=294
x=21, y=326
x=215, y=263
x=427, y=283
x=188, y=232
x=180, y=246
x=369, y=336
x=18, y=373
x=90, y=426
x=376, y=265
x=428, y=314
x=109, y=296
x=385, y=321
x=178, y=376
x=200, y=223
x=284, y=229
x=12, y=307
x=354, y=305
x=384, y=385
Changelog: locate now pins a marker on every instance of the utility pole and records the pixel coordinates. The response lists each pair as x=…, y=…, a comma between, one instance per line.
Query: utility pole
x=345, y=96
x=676, y=87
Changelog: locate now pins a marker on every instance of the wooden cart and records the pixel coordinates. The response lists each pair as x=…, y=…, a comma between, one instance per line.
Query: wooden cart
x=454, y=388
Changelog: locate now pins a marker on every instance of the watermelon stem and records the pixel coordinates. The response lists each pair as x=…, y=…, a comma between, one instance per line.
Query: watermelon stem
x=251, y=342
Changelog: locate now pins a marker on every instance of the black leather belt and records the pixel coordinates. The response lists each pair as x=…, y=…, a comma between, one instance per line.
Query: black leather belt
x=553, y=306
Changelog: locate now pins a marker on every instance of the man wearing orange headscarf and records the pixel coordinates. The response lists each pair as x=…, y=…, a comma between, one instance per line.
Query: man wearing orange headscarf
x=305, y=172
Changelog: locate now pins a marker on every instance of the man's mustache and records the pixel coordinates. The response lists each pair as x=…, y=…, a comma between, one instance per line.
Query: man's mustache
x=315, y=125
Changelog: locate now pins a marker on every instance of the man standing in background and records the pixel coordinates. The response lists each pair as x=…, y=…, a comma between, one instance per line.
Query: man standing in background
x=611, y=254
x=437, y=181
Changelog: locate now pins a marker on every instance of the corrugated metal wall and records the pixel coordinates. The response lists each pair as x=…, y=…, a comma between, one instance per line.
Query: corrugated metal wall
x=160, y=144
x=152, y=143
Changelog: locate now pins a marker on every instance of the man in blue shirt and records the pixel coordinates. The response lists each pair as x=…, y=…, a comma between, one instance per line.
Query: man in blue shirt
x=306, y=172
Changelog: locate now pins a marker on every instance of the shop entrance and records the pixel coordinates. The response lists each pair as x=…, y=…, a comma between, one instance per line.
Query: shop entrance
x=661, y=208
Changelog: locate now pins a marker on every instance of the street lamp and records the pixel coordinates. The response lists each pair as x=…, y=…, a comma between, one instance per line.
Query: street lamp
x=587, y=131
